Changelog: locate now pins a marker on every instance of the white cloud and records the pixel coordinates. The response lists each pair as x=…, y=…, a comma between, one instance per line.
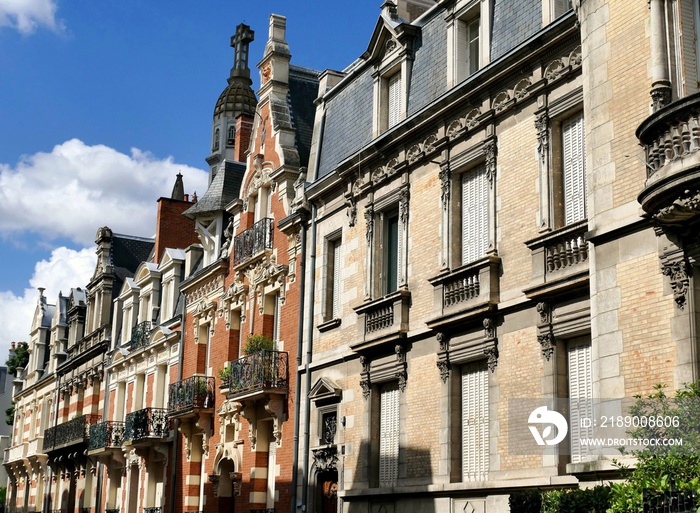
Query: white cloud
x=26, y=15
x=65, y=269
x=77, y=188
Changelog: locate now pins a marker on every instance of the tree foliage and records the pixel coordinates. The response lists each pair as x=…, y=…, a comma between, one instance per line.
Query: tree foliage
x=19, y=358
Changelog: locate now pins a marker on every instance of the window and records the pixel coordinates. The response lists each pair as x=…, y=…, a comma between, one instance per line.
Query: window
x=331, y=305
x=389, y=435
x=580, y=395
x=573, y=169
x=470, y=31
x=475, y=422
x=231, y=137
x=329, y=426
x=475, y=222
x=215, y=146
x=391, y=247
x=560, y=7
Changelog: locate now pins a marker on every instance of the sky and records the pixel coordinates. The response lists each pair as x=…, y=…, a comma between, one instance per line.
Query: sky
x=103, y=103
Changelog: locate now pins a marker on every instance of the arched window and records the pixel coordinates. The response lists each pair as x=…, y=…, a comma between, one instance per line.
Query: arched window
x=217, y=133
x=231, y=137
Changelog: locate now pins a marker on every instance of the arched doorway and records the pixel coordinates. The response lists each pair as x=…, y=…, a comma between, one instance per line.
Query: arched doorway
x=327, y=491
x=226, y=487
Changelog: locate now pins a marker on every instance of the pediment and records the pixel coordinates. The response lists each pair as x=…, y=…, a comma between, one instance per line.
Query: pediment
x=145, y=271
x=389, y=39
x=325, y=389
x=128, y=288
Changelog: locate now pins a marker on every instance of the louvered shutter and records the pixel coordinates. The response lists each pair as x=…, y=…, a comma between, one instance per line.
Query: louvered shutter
x=580, y=396
x=394, y=107
x=475, y=220
x=277, y=322
x=336, y=279
x=574, y=170
x=475, y=422
x=389, y=435
x=462, y=50
x=560, y=7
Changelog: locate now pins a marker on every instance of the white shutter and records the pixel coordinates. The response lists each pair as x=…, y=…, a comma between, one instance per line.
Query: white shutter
x=336, y=279
x=559, y=7
x=389, y=435
x=574, y=170
x=276, y=313
x=462, y=51
x=580, y=396
x=475, y=215
x=475, y=422
x=394, y=107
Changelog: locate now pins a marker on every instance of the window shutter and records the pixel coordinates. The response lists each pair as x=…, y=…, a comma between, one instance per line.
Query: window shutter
x=394, y=107
x=475, y=221
x=389, y=436
x=574, y=170
x=559, y=8
x=475, y=422
x=580, y=396
x=336, y=279
x=462, y=50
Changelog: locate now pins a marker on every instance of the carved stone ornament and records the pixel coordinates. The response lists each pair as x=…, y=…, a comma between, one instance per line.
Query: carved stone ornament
x=365, y=385
x=489, y=328
x=352, y=210
x=326, y=459
x=679, y=276
x=443, y=340
x=681, y=210
x=660, y=97
x=445, y=184
x=546, y=341
x=490, y=154
x=402, y=376
x=542, y=126
x=544, y=309
x=403, y=205
x=444, y=368
x=369, y=220
x=491, y=357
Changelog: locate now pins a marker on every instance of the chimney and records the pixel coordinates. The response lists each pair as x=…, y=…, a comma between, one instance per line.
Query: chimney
x=173, y=230
x=406, y=10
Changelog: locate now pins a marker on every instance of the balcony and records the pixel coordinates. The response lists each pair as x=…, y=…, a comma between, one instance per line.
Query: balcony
x=106, y=435
x=35, y=447
x=671, y=140
x=382, y=320
x=559, y=262
x=69, y=433
x=262, y=510
x=466, y=292
x=153, y=510
x=140, y=335
x=253, y=242
x=258, y=374
x=190, y=396
x=146, y=425
x=15, y=453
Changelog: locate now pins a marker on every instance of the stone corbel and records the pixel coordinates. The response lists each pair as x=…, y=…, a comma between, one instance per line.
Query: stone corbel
x=275, y=407
x=547, y=344
x=248, y=413
x=203, y=423
x=186, y=429
x=445, y=178
x=545, y=337
x=490, y=151
x=490, y=339
x=443, y=356
x=365, y=383
x=325, y=459
x=678, y=273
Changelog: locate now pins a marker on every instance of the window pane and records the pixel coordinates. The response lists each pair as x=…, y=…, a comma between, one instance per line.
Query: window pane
x=394, y=107
x=473, y=43
x=335, y=285
x=392, y=253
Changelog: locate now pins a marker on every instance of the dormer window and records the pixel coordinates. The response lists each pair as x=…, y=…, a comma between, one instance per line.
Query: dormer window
x=468, y=39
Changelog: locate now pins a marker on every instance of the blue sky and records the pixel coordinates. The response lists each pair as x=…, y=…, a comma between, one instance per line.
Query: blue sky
x=102, y=103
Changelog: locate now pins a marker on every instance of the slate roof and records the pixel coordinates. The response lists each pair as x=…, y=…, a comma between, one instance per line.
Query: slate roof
x=303, y=90
x=127, y=253
x=223, y=189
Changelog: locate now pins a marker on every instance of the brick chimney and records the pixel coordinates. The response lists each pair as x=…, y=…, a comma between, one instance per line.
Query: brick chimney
x=173, y=230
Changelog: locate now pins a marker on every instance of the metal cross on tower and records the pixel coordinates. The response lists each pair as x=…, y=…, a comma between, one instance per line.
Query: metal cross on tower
x=240, y=41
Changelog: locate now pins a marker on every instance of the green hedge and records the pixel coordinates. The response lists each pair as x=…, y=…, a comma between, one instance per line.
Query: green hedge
x=588, y=500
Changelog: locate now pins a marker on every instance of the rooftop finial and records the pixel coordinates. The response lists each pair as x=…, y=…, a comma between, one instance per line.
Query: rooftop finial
x=178, y=189
x=240, y=41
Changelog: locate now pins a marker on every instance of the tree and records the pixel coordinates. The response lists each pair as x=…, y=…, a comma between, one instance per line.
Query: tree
x=19, y=358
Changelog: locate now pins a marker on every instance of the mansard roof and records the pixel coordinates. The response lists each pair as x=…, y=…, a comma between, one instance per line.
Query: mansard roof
x=303, y=90
x=223, y=189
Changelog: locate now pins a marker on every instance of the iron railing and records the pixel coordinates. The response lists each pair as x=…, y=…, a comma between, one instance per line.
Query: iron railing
x=252, y=241
x=263, y=510
x=153, y=510
x=261, y=371
x=106, y=434
x=113, y=510
x=69, y=433
x=146, y=423
x=196, y=392
x=140, y=334
x=84, y=510
x=671, y=501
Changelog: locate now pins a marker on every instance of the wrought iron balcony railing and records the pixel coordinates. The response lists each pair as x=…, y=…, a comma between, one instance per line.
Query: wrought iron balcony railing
x=263, y=510
x=140, y=334
x=258, y=372
x=113, y=510
x=153, y=510
x=252, y=241
x=105, y=435
x=188, y=395
x=145, y=424
x=69, y=433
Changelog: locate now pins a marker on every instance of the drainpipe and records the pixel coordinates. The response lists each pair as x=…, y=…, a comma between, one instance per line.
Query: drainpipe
x=176, y=422
x=105, y=409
